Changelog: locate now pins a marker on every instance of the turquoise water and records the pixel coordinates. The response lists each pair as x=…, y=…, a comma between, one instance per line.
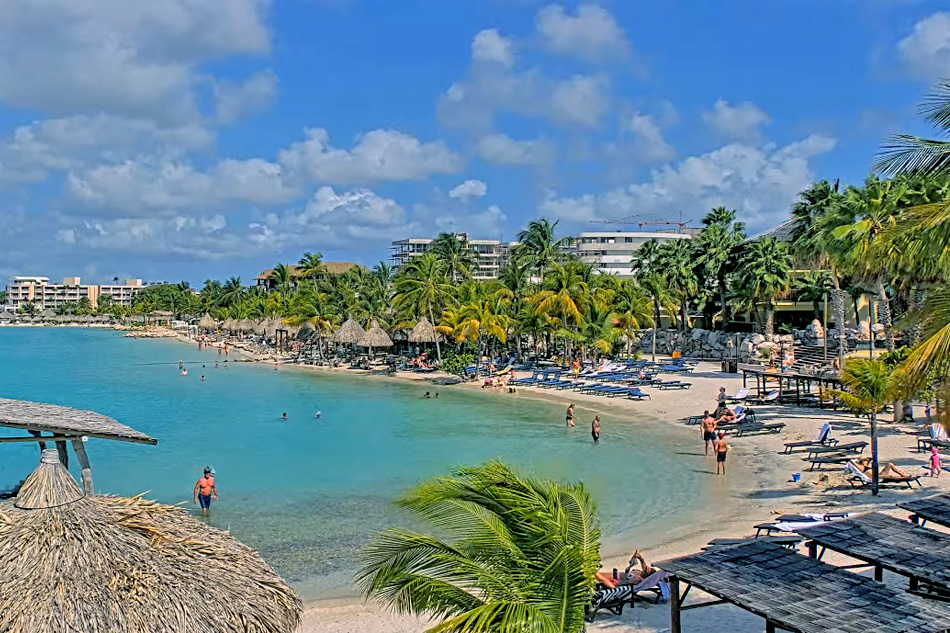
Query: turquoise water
x=306, y=492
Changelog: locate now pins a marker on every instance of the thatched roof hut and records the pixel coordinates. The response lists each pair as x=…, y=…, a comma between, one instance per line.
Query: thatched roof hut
x=375, y=337
x=424, y=332
x=6, y=316
x=245, y=325
x=71, y=561
x=207, y=323
x=349, y=332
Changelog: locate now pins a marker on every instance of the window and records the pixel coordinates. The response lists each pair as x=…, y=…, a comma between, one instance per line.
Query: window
x=628, y=240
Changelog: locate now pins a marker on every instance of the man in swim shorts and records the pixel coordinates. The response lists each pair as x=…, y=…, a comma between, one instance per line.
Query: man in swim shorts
x=204, y=489
x=721, y=447
x=709, y=429
x=595, y=429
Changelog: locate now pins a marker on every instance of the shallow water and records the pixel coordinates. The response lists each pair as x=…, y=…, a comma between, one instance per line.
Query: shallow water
x=308, y=492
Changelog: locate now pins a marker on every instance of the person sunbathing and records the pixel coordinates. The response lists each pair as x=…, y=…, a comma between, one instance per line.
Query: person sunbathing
x=889, y=472
x=728, y=415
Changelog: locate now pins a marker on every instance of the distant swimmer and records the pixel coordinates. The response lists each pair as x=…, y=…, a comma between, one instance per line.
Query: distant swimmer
x=184, y=372
x=276, y=366
x=319, y=415
x=204, y=489
x=436, y=394
x=202, y=379
x=426, y=396
x=595, y=429
x=215, y=364
x=284, y=416
x=181, y=364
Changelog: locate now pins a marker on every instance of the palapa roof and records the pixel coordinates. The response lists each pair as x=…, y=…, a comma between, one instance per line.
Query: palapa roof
x=246, y=325
x=349, y=332
x=332, y=268
x=424, y=332
x=39, y=416
x=207, y=322
x=106, y=564
x=6, y=316
x=375, y=337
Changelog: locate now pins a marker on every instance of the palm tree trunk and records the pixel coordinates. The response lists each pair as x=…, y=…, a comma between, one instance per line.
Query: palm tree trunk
x=837, y=300
x=769, y=318
x=885, y=314
x=685, y=318
x=814, y=306
x=874, y=464
x=438, y=350
x=725, y=305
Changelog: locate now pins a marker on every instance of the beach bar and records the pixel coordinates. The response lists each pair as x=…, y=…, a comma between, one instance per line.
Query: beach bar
x=65, y=424
x=796, y=593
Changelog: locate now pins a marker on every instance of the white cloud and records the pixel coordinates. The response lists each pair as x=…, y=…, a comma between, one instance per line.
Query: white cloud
x=380, y=155
x=582, y=99
x=741, y=122
x=648, y=142
x=591, y=34
x=926, y=51
x=500, y=149
x=114, y=56
x=469, y=190
x=493, y=47
x=760, y=183
x=235, y=100
x=355, y=218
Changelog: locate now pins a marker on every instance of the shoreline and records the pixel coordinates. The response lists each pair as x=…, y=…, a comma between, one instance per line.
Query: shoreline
x=758, y=485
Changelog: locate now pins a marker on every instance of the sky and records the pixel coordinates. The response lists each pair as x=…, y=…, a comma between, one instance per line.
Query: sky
x=196, y=139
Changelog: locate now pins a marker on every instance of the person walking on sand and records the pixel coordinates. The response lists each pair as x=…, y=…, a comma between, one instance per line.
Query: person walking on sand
x=709, y=429
x=595, y=429
x=569, y=416
x=721, y=399
x=934, y=462
x=204, y=489
x=721, y=447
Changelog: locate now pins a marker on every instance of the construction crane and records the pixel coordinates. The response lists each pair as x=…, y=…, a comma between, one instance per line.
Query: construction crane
x=634, y=219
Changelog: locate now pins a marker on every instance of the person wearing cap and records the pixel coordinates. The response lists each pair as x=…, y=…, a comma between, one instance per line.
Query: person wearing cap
x=721, y=446
x=204, y=489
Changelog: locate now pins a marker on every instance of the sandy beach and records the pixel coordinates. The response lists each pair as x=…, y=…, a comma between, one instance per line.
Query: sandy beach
x=758, y=486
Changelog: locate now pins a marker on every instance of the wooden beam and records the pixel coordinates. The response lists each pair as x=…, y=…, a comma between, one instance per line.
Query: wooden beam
x=41, y=439
x=42, y=443
x=63, y=455
x=80, y=451
x=675, y=625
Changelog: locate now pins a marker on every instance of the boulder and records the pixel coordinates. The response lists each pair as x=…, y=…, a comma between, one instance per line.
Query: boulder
x=757, y=339
x=697, y=334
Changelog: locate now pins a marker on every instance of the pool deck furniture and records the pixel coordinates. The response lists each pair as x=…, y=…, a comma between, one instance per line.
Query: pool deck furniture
x=796, y=593
x=935, y=509
x=791, y=447
x=884, y=542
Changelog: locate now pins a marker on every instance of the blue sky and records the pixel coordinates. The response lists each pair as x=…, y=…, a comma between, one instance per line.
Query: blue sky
x=194, y=139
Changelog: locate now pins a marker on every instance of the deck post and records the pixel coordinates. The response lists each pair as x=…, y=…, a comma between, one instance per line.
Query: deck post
x=80, y=451
x=914, y=583
x=878, y=573
x=675, y=626
x=38, y=434
x=769, y=627
x=813, y=549
x=63, y=455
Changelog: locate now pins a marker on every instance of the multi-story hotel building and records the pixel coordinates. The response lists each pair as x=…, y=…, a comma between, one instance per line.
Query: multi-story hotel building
x=612, y=251
x=492, y=254
x=44, y=295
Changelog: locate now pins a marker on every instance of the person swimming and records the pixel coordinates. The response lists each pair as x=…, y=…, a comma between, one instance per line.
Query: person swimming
x=184, y=372
x=181, y=364
x=426, y=396
x=284, y=416
x=202, y=378
x=318, y=415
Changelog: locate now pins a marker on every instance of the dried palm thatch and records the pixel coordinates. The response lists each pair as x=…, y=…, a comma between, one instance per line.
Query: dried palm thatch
x=375, y=337
x=100, y=563
x=260, y=327
x=424, y=332
x=6, y=316
x=245, y=325
x=349, y=332
x=52, y=418
x=207, y=323
x=228, y=324
x=271, y=326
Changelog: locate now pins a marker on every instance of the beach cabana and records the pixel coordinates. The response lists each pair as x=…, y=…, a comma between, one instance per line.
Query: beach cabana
x=75, y=561
x=6, y=316
x=207, y=323
x=797, y=593
x=349, y=332
x=424, y=332
x=245, y=325
x=375, y=337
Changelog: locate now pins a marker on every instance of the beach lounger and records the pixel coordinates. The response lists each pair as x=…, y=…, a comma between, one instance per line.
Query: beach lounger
x=635, y=393
x=525, y=381
x=858, y=478
x=824, y=439
x=855, y=448
x=567, y=384
x=772, y=396
x=924, y=444
x=794, y=522
x=674, y=384
x=614, y=599
x=818, y=462
x=790, y=541
x=740, y=396
x=755, y=427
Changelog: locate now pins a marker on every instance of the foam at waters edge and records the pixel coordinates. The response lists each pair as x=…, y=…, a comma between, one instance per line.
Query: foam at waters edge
x=308, y=492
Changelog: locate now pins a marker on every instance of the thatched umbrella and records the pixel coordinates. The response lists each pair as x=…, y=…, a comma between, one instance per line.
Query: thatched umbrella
x=99, y=563
x=375, y=337
x=207, y=323
x=271, y=326
x=260, y=327
x=6, y=316
x=349, y=332
x=424, y=332
x=245, y=325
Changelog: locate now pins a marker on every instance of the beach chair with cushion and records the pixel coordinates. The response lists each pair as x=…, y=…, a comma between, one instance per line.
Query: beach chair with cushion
x=635, y=393
x=757, y=427
x=740, y=396
x=837, y=459
x=858, y=478
x=614, y=599
x=771, y=397
x=855, y=448
x=526, y=381
x=824, y=439
x=673, y=384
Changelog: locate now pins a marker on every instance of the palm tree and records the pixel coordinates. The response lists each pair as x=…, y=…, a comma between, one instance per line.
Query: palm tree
x=311, y=265
x=423, y=287
x=232, y=292
x=508, y=553
x=718, y=244
x=479, y=319
x=870, y=385
x=539, y=245
x=763, y=272
x=29, y=308
x=515, y=277
x=282, y=277
x=631, y=310
x=676, y=259
x=459, y=259
x=907, y=154
x=813, y=286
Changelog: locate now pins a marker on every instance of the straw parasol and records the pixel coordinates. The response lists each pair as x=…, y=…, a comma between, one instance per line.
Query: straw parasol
x=99, y=563
x=349, y=332
x=424, y=332
x=260, y=327
x=207, y=323
x=6, y=316
x=245, y=325
x=375, y=337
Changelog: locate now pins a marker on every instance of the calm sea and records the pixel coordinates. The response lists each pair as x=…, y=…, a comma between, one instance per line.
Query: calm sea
x=308, y=492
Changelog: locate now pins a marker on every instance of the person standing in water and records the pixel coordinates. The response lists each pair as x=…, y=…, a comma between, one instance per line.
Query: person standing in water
x=181, y=365
x=721, y=447
x=204, y=489
x=595, y=429
x=569, y=416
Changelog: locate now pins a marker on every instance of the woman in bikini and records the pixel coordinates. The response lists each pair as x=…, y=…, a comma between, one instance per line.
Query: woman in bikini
x=569, y=416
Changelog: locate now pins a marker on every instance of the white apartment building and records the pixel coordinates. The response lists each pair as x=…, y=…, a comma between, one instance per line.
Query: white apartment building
x=492, y=254
x=611, y=251
x=44, y=295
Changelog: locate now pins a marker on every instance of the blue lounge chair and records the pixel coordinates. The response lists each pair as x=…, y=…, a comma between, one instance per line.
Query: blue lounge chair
x=526, y=381
x=635, y=393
